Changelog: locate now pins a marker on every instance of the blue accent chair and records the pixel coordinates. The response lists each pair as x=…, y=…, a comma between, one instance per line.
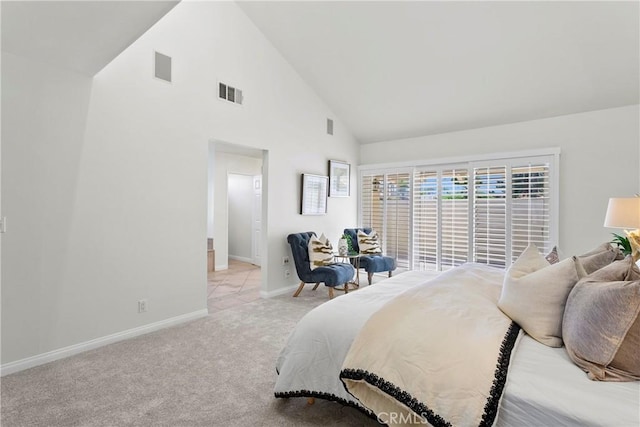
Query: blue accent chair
x=370, y=263
x=332, y=275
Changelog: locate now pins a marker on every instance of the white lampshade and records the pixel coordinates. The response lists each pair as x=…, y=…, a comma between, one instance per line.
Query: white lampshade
x=623, y=213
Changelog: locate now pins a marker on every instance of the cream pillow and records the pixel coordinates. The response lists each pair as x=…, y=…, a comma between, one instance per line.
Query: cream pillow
x=369, y=244
x=320, y=252
x=534, y=294
x=601, y=326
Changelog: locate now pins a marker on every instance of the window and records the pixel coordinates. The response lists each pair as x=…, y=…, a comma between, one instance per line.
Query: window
x=440, y=218
x=386, y=207
x=437, y=217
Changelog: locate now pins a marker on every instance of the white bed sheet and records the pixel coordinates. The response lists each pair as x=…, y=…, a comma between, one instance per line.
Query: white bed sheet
x=544, y=388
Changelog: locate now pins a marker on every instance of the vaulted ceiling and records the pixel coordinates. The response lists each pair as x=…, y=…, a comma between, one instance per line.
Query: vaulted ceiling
x=81, y=35
x=392, y=69
x=396, y=69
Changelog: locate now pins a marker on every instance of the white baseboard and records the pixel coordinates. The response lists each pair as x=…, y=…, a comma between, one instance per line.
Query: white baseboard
x=241, y=258
x=278, y=292
x=222, y=267
x=61, y=353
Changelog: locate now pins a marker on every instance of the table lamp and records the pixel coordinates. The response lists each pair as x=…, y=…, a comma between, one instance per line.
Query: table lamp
x=625, y=213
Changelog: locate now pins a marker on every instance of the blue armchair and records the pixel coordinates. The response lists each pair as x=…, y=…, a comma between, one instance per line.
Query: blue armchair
x=370, y=263
x=332, y=275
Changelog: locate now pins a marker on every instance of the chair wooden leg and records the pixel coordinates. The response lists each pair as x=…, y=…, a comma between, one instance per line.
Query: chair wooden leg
x=390, y=273
x=346, y=288
x=330, y=293
x=316, y=286
x=369, y=276
x=299, y=289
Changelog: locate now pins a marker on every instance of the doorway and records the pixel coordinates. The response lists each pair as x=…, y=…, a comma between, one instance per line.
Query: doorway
x=237, y=215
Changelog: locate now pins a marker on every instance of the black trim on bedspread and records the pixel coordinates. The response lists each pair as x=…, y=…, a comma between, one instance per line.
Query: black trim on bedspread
x=327, y=396
x=493, y=401
x=500, y=376
x=395, y=392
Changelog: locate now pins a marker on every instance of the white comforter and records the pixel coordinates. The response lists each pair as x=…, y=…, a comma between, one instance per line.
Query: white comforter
x=543, y=388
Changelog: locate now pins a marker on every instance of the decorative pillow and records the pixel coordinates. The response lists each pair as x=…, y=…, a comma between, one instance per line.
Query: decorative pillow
x=552, y=257
x=369, y=244
x=599, y=257
x=601, y=326
x=320, y=252
x=534, y=294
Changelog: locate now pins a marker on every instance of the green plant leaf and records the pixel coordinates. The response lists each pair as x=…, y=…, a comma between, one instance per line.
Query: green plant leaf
x=622, y=243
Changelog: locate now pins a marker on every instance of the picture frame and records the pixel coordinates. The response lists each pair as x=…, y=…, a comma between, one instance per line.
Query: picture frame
x=339, y=178
x=313, y=200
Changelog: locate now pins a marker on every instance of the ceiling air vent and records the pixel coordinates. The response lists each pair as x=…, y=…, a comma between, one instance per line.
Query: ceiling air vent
x=229, y=93
x=163, y=67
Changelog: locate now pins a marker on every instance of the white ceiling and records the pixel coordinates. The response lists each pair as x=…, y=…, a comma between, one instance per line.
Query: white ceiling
x=81, y=35
x=400, y=69
x=391, y=69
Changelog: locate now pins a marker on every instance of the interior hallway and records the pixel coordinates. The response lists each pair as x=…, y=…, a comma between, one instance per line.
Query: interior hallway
x=239, y=284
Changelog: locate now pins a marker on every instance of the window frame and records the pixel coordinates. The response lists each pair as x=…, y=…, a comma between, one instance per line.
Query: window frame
x=472, y=162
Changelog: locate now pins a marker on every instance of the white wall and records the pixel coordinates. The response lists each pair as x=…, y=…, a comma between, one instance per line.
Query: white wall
x=240, y=209
x=104, y=182
x=44, y=113
x=599, y=159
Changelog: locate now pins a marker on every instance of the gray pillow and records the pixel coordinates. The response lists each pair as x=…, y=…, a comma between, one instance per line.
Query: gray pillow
x=601, y=325
x=552, y=257
x=599, y=257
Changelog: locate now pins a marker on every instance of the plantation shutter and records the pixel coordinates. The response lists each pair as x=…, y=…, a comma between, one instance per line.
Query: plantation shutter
x=436, y=217
x=440, y=219
x=398, y=218
x=454, y=214
x=372, y=201
x=386, y=208
x=530, y=208
x=425, y=220
x=490, y=215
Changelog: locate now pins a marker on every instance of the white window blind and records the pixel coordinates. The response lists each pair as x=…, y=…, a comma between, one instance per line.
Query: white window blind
x=372, y=201
x=530, y=208
x=386, y=207
x=454, y=216
x=397, y=227
x=425, y=220
x=440, y=218
x=486, y=212
x=490, y=215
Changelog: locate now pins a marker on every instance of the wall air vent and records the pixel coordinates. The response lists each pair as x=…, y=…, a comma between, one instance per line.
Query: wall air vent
x=163, y=67
x=329, y=126
x=229, y=93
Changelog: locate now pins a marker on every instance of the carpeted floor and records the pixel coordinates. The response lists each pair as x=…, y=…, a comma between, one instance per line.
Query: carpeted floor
x=216, y=371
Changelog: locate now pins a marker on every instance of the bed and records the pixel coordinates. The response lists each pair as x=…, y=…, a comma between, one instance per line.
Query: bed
x=543, y=386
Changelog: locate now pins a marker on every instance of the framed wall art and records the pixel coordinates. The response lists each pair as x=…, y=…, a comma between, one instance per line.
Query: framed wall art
x=339, y=178
x=313, y=200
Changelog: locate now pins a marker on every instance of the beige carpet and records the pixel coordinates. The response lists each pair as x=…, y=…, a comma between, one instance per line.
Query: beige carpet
x=217, y=371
